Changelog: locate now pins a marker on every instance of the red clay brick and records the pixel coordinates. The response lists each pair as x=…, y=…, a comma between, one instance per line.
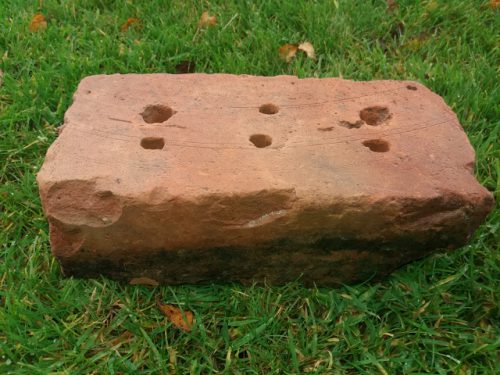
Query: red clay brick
x=198, y=178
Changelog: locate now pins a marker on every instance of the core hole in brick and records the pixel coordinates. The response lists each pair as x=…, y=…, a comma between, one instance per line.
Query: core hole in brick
x=269, y=109
x=377, y=145
x=374, y=115
x=261, y=140
x=152, y=143
x=411, y=87
x=157, y=113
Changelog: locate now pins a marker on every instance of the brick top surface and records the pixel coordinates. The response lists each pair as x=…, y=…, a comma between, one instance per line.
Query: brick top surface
x=165, y=135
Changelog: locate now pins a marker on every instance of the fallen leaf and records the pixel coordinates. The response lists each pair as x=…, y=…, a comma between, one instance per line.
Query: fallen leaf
x=495, y=4
x=128, y=23
x=185, y=67
x=143, y=281
x=288, y=51
x=391, y=5
x=179, y=318
x=308, y=49
x=207, y=20
x=38, y=23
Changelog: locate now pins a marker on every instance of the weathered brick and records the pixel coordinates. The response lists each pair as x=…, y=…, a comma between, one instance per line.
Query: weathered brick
x=197, y=178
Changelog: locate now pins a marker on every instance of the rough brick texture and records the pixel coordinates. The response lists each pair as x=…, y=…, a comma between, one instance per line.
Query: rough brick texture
x=197, y=178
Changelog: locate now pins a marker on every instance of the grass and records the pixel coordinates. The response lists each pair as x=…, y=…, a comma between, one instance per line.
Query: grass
x=439, y=315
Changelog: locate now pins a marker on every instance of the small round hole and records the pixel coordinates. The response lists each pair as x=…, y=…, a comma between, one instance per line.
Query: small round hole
x=377, y=145
x=261, y=140
x=157, y=113
x=268, y=109
x=375, y=115
x=152, y=143
x=411, y=87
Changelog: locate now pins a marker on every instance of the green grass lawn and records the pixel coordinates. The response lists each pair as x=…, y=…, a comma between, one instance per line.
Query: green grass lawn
x=439, y=315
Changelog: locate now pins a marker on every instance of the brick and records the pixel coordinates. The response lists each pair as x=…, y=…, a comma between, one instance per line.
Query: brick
x=200, y=178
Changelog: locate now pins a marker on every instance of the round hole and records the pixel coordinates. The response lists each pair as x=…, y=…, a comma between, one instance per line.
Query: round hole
x=374, y=115
x=411, y=87
x=157, y=113
x=377, y=145
x=261, y=140
x=152, y=143
x=268, y=109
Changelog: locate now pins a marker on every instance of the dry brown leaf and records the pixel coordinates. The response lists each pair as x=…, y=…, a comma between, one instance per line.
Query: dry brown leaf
x=288, y=51
x=308, y=49
x=207, y=20
x=495, y=4
x=128, y=23
x=179, y=318
x=38, y=23
x=143, y=281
